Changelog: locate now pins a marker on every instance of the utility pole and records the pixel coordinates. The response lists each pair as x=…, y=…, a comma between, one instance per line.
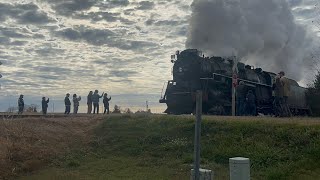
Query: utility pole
x=234, y=84
x=197, y=136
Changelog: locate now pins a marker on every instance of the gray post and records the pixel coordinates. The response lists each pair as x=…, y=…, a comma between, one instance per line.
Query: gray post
x=239, y=168
x=197, y=136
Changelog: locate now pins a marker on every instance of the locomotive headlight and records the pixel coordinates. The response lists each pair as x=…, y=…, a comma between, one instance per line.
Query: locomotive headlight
x=180, y=69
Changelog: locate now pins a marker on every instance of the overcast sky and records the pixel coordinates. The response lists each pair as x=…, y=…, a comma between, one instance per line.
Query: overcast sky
x=51, y=47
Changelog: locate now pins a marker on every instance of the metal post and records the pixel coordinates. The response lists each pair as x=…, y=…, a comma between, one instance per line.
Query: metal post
x=233, y=100
x=197, y=136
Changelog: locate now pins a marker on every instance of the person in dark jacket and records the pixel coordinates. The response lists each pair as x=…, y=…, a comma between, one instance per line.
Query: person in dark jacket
x=67, y=103
x=251, y=104
x=89, y=102
x=241, y=96
x=44, y=105
x=21, y=104
x=106, y=103
x=76, y=103
x=95, y=100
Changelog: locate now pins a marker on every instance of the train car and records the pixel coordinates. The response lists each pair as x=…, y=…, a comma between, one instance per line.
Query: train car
x=192, y=71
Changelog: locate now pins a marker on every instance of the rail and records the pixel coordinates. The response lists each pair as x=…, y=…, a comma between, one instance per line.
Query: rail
x=238, y=79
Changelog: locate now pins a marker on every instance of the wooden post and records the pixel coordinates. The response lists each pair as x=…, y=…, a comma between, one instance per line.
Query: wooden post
x=197, y=136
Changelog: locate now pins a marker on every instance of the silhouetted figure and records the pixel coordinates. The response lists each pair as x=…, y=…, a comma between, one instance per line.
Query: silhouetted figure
x=21, y=104
x=106, y=103
x=89, y=102
x=44, y=105
x=67, y=103
x=76, y=103
x=241, y=98
x=251, y=104
x=95, y=100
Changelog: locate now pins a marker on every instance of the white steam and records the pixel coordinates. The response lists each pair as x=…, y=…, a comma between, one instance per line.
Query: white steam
x=260, y=32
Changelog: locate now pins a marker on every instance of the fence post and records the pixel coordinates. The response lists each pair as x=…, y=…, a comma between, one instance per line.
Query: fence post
x=197, y=136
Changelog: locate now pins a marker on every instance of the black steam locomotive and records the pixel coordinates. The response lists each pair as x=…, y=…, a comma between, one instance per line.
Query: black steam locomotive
x=192, y=71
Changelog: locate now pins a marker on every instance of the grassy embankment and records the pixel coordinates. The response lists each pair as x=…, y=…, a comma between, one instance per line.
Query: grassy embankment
x=161, y=147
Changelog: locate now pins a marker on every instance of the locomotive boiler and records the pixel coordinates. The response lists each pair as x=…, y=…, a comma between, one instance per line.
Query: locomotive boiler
x=192, y=71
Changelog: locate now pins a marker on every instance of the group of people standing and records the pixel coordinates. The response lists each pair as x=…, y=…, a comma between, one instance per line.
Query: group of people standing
x=246, y=100
x=93, y=99
x=44, y=104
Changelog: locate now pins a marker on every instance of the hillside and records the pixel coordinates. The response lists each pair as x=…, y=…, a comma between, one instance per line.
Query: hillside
x=161, y=147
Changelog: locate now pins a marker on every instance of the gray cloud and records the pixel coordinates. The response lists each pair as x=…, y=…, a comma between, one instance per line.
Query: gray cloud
x=146, y=5
x=103, y=37
x=99, y=16
x=24, y=13
x=11, y=32
x=122, y=73
x=91, y=36
x=68, y=7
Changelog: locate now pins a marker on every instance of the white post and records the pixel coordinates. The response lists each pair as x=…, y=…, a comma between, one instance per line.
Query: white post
x=239, y=168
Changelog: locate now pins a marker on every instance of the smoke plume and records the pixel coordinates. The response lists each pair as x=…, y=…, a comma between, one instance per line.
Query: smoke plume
x=259, y=32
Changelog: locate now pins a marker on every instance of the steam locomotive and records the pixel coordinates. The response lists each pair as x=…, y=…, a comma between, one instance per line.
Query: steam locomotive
x=214, y=76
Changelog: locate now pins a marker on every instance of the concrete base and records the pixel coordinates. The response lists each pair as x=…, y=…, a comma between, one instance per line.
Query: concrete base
x=205, y=174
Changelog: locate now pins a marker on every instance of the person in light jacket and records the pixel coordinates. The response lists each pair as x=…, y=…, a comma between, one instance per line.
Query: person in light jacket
x=95, y=100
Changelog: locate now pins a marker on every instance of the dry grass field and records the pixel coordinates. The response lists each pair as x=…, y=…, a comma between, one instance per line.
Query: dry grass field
x=28, y=144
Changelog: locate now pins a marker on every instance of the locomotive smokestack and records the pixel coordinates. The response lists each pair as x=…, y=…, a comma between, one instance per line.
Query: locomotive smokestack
x=260, y=32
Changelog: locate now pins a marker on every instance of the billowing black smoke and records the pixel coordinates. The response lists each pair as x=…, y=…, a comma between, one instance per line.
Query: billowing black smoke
x=259, y=32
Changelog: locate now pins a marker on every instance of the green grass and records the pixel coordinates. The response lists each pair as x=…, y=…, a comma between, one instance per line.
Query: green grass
x=161, y=147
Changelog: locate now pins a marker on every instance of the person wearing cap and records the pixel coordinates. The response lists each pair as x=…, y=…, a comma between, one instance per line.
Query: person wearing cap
x=278, y=96
x=251, y=104
x=286, y=92
x=76, y=103
x=241, y=96
x=44, y=105
x=67, y=103
x=95, y=100
x=21, y=104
